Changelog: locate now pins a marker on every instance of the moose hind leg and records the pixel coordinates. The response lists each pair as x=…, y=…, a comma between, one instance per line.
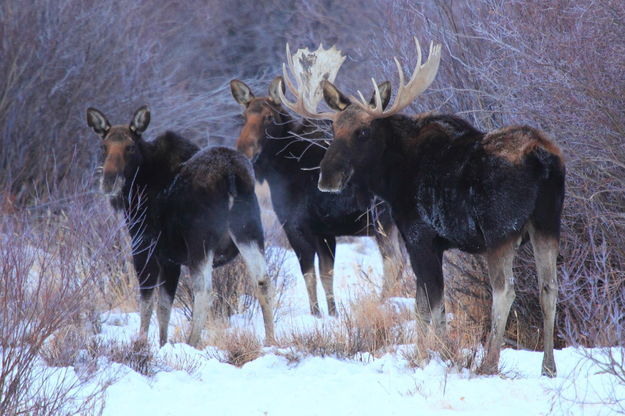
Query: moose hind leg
x=305, y=251
x=500, y=262
x=202, y=276
x=257, y=268
x=146, y=305
x=167, y=290
x=326, y=248
x=247, y=233
x=545, y=254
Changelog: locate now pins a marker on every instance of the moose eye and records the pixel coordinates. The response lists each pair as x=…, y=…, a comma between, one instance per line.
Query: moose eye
x=130, y=149
x=363, y=133
x=270, y=118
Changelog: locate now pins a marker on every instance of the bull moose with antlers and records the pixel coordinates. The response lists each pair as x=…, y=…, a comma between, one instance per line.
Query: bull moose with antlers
x=449, y=186
x=183, y=206
x=285, y=153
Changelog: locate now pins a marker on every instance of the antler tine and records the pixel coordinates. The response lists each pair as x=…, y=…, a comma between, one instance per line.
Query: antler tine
x=362, y=102
x=422, y=77
x=420, y=80
x=364, y=105
x=289, y=83
x=376, y=94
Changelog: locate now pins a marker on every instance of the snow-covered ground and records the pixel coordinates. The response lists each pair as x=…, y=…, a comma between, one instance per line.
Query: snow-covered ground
x=271, y=385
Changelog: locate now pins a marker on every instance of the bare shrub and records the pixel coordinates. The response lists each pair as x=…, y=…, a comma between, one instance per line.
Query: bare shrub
x=188, y=363
x=61, y=57
x=520, y=62
x=65, y=347
x=137, y=354
x=47, y=287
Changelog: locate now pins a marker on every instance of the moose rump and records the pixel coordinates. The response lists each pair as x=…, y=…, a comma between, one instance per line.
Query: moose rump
x=211, y=214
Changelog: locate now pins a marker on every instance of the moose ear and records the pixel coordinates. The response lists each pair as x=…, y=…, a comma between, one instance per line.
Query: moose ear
x=140, y=120
x=241, y=92
x=334, y=98
x=274, y=89
x=97, y=121
x=385, y=94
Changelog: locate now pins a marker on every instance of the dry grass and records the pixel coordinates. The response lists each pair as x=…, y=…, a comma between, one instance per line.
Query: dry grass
x=237, y=347
x=320, y=341
x=366, y=326
x=458, y=348
x=374, y=327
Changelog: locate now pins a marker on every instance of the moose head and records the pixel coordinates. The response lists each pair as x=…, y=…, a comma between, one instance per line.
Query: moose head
x=263, y=116
x=122, y=148
x=358, y=126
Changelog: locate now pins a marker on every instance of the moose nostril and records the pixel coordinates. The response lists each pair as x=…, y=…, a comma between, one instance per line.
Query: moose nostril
x=108, y=180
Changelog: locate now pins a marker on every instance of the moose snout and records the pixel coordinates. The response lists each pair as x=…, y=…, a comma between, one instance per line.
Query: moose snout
x=248, y=148
x=112, y=183
x=334, y=181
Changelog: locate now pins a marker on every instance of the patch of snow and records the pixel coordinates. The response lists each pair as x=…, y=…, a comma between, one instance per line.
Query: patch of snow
x=271, y=385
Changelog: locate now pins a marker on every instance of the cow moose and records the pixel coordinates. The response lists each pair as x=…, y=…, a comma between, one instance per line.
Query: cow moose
x=449, y=185
x=285, y=154
x=183, y=206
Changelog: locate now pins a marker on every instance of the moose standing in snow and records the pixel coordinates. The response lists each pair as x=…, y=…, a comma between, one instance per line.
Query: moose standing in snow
x=286, y=153
x=449, y=186
x=183, y=206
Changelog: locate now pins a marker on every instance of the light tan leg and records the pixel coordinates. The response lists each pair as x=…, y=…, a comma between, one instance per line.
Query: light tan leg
x=311, y=287
x=202, y=298
x=390, y=250
x=325, y=250
x=163, y=313
x=146, y=304
x=546, y=254
x=502, y=283
x=257, y=268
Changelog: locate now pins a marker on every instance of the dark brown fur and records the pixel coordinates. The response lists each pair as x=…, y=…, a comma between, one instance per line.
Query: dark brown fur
x=452, y=186
x=183, y=206
x=311, y=219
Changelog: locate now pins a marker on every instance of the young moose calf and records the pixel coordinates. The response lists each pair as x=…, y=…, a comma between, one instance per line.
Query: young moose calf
x=183, y=206
x=451, y=186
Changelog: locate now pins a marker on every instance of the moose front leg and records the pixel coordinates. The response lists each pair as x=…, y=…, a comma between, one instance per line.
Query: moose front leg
x=326, y=248
x=147, y=270
x=390, y=250
x=304, y=247
x=168, y=283
x=427, y=264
